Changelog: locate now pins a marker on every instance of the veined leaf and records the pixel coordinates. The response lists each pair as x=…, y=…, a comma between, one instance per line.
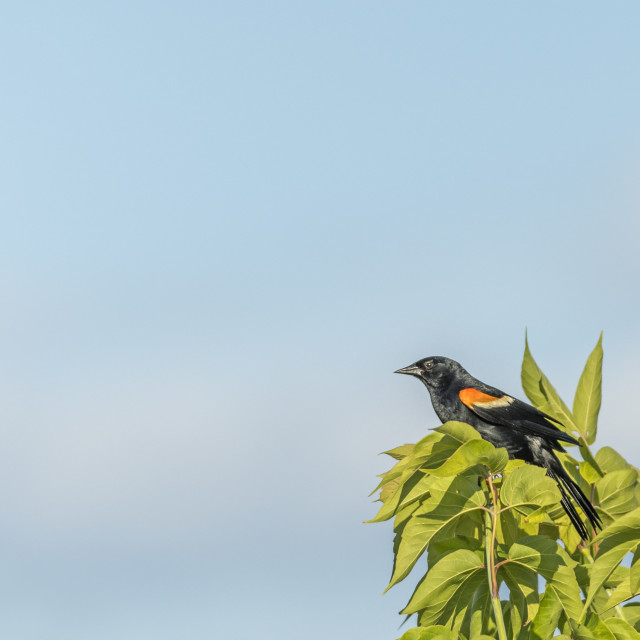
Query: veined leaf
x=575, y=631
x=508, y=530
x=610, y=460
x=397, y=483
x=523, y=592
x=544, y=624
x=460, y=431
x=435, y=632
x=471, y=454
x=625, y=528
x=556, y=407
x=620, y=595
x=460, y=448
x=621, y=629
x=469, y=526
x=442, y=543
x=631, y=613
x=615, y=493
x=531, y=374
x=480, y=621
x=443, y=450
x=398, y=491
x=634, y=574
x=448, y=586
x=419, y=491
x=604, y=566
x=552, y=562
x=598, y=628
x=403, y=514
x=528, y=489
x=620, y=574
x=513, y=621
x=586, y=404
x=388, y=490
x=589, y=472
x=512, y=465
x=542, y=393
x=403, y=468
x=397, y=453
x=449, y=499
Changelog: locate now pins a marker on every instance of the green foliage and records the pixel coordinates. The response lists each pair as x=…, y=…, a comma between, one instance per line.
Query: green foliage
x=474, y=526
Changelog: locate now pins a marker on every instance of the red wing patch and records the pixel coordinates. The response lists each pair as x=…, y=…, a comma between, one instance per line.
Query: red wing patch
x=472, y=397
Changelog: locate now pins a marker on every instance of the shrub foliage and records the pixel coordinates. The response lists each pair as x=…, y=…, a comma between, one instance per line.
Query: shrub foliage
x=502, y=559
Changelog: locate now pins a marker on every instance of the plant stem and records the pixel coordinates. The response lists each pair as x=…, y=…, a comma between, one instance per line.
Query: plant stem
x=491, y=525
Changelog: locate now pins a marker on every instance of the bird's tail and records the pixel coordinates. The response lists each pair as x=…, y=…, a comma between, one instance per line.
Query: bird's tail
x=569, y=488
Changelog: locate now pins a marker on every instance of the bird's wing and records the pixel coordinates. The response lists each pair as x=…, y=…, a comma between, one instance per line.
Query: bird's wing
x=504, y=410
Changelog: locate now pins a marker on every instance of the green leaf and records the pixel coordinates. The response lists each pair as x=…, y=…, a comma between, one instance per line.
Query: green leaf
x=542, y=394
x=418, y=491
x=620, y=595
x=398, y=491
x=462, y=448
x=546, y=620
x=625, y=528
x=586, y=404
x=528, y=489
x=621, y=629
x=403, y=514
x=442, y=451
x=468, y=455
x=620, y=574
x=580, y=632
x=631, y=613
x=409, y=463
x=634, y=574
x=435, y=632
x=604, y=566
x=615, y=493
x=460, y=431
x=448, y=586
x=531, y=374
x=523, y=593
x=398, y=453
x=552, y=562
x=589, y=472
x=508, y=528
x=449, y=499
x=443, y=543
x=469, y=526
x=397, y=483
x=610, y=460
x=480, y=621
x=598, y=628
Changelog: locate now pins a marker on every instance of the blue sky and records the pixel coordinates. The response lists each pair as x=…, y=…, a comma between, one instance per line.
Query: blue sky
x=224, y=226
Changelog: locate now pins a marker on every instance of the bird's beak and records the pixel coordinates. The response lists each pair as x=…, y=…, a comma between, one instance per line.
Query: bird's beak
x=411, y=370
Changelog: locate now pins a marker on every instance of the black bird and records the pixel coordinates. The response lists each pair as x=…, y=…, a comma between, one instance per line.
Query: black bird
x=504, y=421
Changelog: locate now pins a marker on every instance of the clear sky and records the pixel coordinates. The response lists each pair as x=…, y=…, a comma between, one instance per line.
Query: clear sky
x=224, y=225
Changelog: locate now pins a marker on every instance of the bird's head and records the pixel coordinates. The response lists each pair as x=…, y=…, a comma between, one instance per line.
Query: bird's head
x=435, y=371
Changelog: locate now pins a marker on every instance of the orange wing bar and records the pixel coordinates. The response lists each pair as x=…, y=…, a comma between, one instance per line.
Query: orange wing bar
x=472, y=396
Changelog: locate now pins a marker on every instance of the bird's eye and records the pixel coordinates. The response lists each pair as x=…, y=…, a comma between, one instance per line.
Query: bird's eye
x=429, y=365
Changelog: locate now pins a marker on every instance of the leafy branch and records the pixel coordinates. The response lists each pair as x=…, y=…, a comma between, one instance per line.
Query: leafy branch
x=502, y=559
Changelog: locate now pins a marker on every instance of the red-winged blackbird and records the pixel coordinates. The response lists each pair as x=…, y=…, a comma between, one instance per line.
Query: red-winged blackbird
x=504, y=421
